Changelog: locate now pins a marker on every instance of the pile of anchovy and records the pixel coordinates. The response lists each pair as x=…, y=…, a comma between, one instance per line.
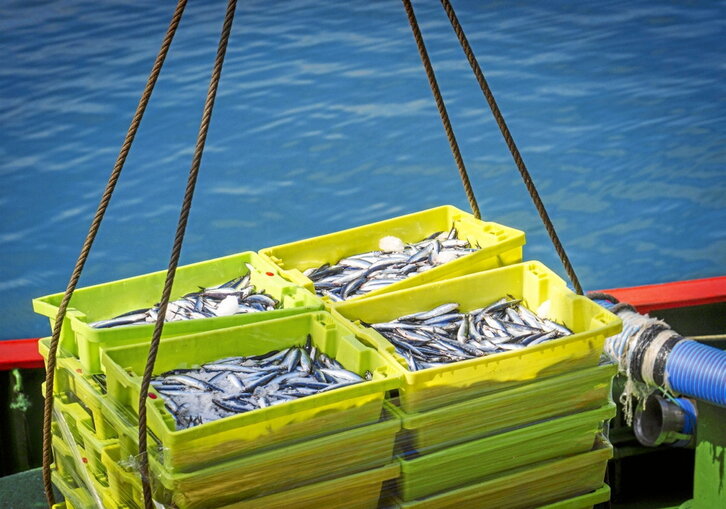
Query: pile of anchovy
x=235, y=385
x=443, y=334
x=365, y=272
x=234, y=297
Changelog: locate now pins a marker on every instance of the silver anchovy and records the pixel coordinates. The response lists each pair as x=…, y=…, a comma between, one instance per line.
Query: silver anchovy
x=366, y=272
x=235, y=385
x=438, y=311
x=236, y=296
x=443, y=335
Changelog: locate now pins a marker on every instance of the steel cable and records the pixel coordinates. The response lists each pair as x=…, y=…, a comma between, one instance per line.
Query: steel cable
x=442, y=108
x=90, y=237
x=176, y=249
x=526, y=177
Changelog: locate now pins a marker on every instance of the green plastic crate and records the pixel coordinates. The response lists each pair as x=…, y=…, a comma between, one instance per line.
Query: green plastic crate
x=67, y=478
x=500, y=245
x=530, y=486
x=459, y=381
x=316, y=415
x=72, y=385
x=586, y=501
x=357, y=491
x=75, y=417
x=474, y=461
x=366, y=447
x=80, y=425
x=107, y=300
x=259, y=475
x=76, y=497
x=430, y=431
x=123, y=479
x=63, y=461
x=106, y=419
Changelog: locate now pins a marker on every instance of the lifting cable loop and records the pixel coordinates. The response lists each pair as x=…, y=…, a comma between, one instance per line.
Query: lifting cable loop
x=442, y=109
x=512, y=146
x=90, y=237
x=176, y=249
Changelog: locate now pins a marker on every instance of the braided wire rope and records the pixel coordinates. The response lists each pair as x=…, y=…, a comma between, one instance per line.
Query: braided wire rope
x=442, y=108
x=189, y=193
x=176, y=249
x=90, y=237
x=526, y=177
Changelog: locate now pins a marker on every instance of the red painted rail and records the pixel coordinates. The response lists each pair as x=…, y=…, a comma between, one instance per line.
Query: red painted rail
x=678, y=294
x=23, y=353
x=20, y=353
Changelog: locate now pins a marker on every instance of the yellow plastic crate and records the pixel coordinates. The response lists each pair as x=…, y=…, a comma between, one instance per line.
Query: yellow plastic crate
x=562, y=395
x=107, y=300
x=111, y=480
x=78, y=497
x=500, y=245
x=85, y=405
x=301, y=419
x=73, y=385
x=285, y=468
x=63, y=462
x=357, y=491
x=108, y=420
x=586, y=501
x=537, y=285
x=66, y=475
x=105, y=419
x=81, y=428
x=263, y=474
x=269, y=472
x=124, y=482
x=562, y=479
x=476, y=461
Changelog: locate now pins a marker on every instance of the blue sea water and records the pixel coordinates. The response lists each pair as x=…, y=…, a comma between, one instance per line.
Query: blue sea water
x=324, y=120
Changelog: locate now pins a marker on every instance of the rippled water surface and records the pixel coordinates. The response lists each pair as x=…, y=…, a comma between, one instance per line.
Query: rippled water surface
x=324, y=120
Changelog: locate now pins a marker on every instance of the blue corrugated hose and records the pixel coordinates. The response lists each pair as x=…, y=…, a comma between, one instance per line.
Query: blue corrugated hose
x=692, y=369
x=689, y=426
x=697, y=370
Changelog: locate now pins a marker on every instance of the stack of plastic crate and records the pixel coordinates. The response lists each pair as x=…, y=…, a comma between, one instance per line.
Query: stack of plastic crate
x=332, y=448
x=514, y=429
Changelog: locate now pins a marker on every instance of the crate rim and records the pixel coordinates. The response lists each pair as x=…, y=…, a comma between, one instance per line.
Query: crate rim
x=514, y=239
x=414, y=420
x=608, y=329
x=605, y=412
x=367, y=388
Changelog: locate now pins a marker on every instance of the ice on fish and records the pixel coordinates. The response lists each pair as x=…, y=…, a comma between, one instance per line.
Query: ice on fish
x=391, y=244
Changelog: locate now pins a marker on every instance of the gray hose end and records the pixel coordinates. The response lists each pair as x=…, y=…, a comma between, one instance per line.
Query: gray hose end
x=662, y=421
